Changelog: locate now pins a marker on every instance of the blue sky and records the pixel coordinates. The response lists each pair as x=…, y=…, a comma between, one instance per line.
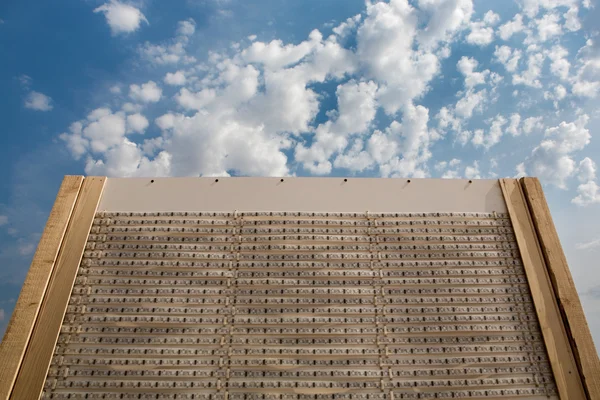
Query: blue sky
x=398, y=88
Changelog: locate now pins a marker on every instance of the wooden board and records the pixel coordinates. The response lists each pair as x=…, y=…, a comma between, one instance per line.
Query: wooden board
x=566, y=294
x=561, y=357
x=18, y=332
x=33, y=370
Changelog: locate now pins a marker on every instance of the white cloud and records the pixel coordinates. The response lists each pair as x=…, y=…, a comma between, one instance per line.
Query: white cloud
x=466, y=66
x=121, y=17
x=472, y=101
x=560, y=65
x=587, y=193
x=587, y=170
x=572, y=20
x=3, y=220
x=386, y=46
x=494, y=135
x=186, y=28
x=115, y=89
x=560, y=92
x=344, y=29
x=531, y=8
x=551, y=160
x=513, y=128
x=508, y=57
x=549, y=26
x=175, y=78
x=491, y=18
x=482, y=32
x=132, y=108
x=356, y=110
x=172, y=51
x=445, y=19
x=530, y=77
x=252, y=38
x=588, y=245
x=472, y=172
x=148, y=92
x=38, y=101
x=137, y=123
x=586, y=82
x=26, y=249
x=195, y=101
x=449, y=168
x=275, y=55
x=532, y=123
x=508, y=29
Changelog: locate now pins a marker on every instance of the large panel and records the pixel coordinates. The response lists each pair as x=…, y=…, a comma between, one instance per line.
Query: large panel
x=300, y=305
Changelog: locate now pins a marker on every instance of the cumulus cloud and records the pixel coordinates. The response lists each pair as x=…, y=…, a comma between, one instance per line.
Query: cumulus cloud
x=507, y=30
x=172, y=51
x=356, y=110
x=586, y=82
x=121, y=17
x=552, y=160
x=186, y=28
x=3, y=220
x=175, y=78
x=137, y=123
x=148, y=92
x=257, y=108
x=482, y=32
x=549, y=26
x=508, y=57
x=530, y=76
x=38, y=101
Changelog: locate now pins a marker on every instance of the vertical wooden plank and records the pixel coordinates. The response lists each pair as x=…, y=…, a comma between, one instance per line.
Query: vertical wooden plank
x=32, y=374
x=561, y=357
x=564, y=288
x=21, y=324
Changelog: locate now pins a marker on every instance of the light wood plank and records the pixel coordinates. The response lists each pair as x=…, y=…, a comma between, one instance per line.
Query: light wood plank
x=32, y=374
x=561, y=357
x=566, y=294
x=18, y=332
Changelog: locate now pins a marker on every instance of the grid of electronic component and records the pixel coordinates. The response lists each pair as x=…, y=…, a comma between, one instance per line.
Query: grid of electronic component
x=300, y=306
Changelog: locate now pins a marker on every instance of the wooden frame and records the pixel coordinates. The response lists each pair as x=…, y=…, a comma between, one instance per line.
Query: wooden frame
x=31, y=336
x=566, y=372
x=20, y=327
x=44, y=330
x=571, y=311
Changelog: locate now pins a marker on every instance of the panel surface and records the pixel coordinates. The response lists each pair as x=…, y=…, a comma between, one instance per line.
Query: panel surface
x=302, y=194
x=286, y=305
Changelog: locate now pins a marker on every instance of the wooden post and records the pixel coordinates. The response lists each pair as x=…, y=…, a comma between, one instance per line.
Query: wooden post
x=34, y=368
x=562, y=360
x=20, y=327
x=564, y=288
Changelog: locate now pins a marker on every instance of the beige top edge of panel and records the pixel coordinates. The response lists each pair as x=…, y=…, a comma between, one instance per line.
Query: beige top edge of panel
x=302, y=194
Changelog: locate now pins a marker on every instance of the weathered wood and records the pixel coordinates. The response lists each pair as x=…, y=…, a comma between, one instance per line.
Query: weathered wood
x=33, y=370
x=564, y=288
x=562, y=360
x=20, y=327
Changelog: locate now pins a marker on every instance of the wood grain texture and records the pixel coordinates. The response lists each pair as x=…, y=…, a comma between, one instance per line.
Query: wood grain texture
x=31, y=377
x=20, y=327
x=566, y=294
x=561, y=357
